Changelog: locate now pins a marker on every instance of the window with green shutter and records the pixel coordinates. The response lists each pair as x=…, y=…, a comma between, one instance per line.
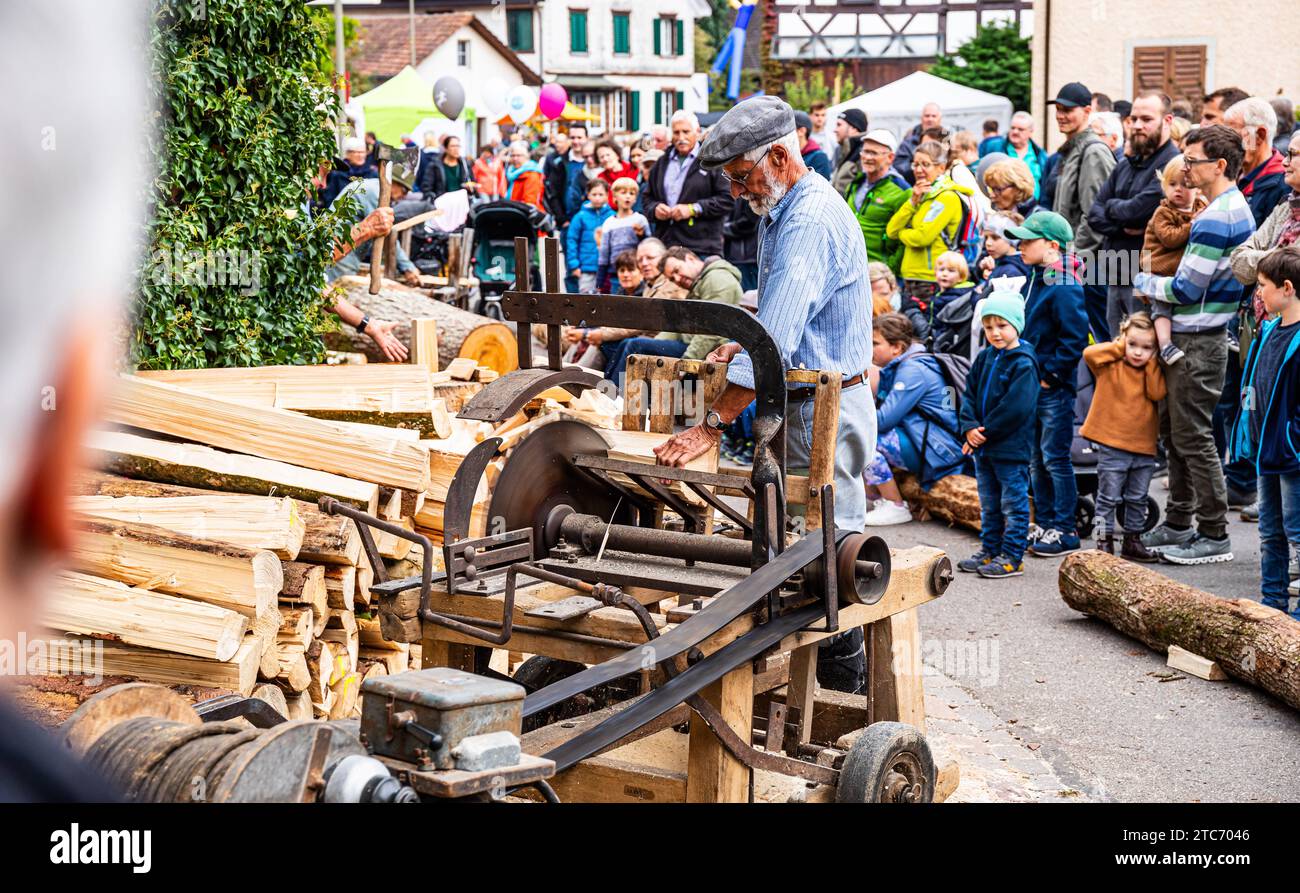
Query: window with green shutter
x=622, y=34
x=658, y=29
x=519, y=30
x=679, y=44
x=679, y=100
x=577, y=30
x=634, y=110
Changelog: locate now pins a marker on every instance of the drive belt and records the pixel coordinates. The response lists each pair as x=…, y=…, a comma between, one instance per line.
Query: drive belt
x=689, y=633
x=683, y=686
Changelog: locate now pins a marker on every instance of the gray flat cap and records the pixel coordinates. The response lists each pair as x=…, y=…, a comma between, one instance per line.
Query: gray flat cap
x=755, y=122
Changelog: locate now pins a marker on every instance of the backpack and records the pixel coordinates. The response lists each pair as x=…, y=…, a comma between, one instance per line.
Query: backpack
x=954, y=369
x=966, y=240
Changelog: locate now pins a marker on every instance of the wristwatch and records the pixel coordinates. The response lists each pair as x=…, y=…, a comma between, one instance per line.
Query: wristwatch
x=713, y=420
x=361, y=326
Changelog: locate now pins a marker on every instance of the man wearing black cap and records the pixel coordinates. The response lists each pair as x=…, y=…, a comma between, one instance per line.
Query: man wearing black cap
x=1085, y=164
x=814, y=297
x=849, y=128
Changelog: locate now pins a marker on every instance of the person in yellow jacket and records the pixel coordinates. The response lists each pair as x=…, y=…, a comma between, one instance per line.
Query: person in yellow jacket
x=928, y=225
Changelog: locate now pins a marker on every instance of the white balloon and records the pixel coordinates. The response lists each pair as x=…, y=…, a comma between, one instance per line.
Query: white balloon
x=521, y=102
x=493, y=95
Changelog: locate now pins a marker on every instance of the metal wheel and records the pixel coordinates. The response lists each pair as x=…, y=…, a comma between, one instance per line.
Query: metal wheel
x=889, y=763
x=1153, y=515
x=538, y=672
x=1085, y=511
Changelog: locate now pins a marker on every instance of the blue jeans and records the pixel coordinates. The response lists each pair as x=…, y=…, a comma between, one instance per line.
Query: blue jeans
x=748, y=276
x=1279, y=526
x=616, y=358
x=1004, y=507
x=1055, y=493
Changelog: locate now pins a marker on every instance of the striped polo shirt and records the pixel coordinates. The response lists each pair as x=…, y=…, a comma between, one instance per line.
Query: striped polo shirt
x=1203, y=291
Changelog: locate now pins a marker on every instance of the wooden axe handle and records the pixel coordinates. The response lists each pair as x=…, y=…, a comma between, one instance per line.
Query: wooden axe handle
x=377, y=246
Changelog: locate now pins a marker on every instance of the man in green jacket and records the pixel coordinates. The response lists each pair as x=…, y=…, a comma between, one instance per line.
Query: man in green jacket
x=711, y=280
x=875, y=194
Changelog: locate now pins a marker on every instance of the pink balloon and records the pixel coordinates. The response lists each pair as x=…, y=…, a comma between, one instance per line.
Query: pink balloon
x=552, y=100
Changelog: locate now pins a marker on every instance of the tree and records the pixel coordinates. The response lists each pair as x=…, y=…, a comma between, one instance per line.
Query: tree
x=807, y=89
x=235, y=265
x=995, y=60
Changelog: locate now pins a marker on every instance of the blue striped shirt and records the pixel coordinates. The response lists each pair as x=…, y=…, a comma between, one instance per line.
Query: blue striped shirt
x=814, y=294
x=1203, y=291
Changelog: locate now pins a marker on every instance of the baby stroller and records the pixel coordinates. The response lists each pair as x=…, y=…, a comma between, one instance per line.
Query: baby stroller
x=496, y=224
x=1083, y=455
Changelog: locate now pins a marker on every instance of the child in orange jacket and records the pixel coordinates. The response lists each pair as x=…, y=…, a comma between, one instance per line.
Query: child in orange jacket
x=1124, y=421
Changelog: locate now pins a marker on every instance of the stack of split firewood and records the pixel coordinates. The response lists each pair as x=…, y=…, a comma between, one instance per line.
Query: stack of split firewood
x=202, y=558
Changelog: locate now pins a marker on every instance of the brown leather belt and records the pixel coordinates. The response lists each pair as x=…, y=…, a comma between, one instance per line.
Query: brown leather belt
x=801, y=395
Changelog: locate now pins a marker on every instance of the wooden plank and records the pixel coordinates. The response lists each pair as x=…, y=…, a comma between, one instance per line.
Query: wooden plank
x=896, y=672
x=821, y=463
x=87, y=605
x=193, y=465
x=254, y=522
x=802, y=688
x=462, y=369
x=1195, y=665
x=374, y=387
x=275, y=434
x=149, y=665
x=423, y=345
x=713, y=775
x=244, y=580
x=610, y=780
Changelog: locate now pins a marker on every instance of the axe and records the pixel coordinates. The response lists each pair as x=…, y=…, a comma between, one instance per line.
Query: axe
x=407, y=161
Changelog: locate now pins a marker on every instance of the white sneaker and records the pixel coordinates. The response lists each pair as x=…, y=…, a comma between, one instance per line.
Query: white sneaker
x=887, y=513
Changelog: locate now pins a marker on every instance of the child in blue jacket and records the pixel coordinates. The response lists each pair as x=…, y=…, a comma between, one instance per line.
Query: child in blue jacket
x=997, y=414
x=1267, y=429
x=581, y=250
x=1056, y=327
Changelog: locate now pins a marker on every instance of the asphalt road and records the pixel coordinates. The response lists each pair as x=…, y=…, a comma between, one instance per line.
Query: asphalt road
x=1094, y=699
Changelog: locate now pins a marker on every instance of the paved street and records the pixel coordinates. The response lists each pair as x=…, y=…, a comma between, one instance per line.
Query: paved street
x=1040, y=702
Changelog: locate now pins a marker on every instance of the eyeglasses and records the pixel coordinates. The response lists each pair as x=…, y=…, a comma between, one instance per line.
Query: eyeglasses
x=1292, y=154
x=1190, y=161
x=741, y=181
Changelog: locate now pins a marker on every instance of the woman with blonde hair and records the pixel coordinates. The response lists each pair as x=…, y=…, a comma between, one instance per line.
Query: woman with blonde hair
x=1010, y=186
x=884, y=288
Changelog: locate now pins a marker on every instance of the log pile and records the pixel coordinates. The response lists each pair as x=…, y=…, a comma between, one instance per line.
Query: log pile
x=1255, y=644
x=202, y=559
x=954, y=499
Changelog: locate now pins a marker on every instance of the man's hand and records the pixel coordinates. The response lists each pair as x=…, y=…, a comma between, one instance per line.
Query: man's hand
x=663, y=212
x=572, y=335
x=974, y=438
x=638, y=229
x=377, y=223
x=683, y=212
x=1044, y=385
x=594, y=336
x=723, y=353
x=678, y=450
x=576, y=272
x=411, y=278
x=382, y=334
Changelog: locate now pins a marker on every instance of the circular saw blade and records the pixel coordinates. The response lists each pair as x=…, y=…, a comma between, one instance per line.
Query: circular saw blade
x=539, y=477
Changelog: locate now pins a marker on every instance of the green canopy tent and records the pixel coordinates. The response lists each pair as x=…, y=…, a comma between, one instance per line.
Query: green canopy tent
x=399, y=104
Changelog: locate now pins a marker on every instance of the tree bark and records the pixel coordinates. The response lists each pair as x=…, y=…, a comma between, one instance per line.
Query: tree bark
x=1249, y=641
x=460, y=334
x=954, y=499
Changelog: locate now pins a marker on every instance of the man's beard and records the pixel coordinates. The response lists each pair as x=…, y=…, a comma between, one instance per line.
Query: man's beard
x=762, y=205
x=1143, y=142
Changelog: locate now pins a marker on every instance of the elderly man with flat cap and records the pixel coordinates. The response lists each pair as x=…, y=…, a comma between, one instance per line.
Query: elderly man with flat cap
x=814, y=297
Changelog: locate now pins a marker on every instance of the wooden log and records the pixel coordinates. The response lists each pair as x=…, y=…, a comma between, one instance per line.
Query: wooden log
x=954, y=499
x=346, y=648
x=394, y=661
x=372, y=636
x=244, y=580
x=487, y=342
x=265, y=628
x=299, y=706
x=375, y=387
x=1248, y=641
x=296, y=626
x=454, y=394
x=304, y=586
x=320, y=666
x=193, y=465
x=327, y=539
x=147, y=664
x=274, y=434
x=254, y=522
x=347, y=693
x=87, y=605
x=273, y=695
x=294, y=673
x=340, y=587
